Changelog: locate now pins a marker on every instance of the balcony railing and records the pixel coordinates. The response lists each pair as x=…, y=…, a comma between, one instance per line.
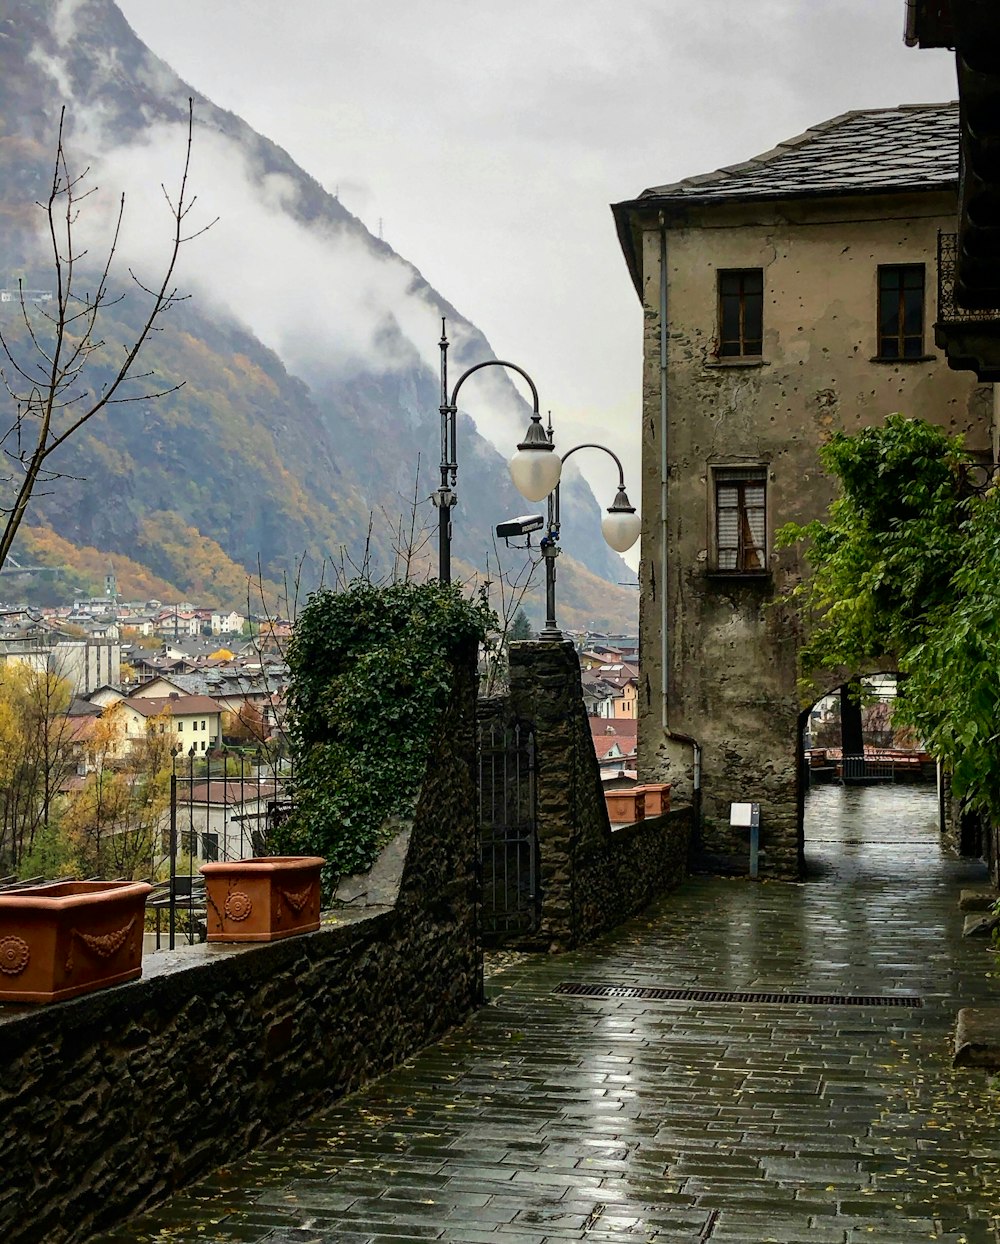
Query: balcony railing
x=949, y=310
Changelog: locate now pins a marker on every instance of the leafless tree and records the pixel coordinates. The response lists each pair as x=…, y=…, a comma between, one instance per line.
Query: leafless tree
x=48, y=382
x=506, y=591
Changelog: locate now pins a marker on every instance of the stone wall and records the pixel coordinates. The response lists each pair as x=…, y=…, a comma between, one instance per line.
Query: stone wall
x=591, y=877
x=111, y=1101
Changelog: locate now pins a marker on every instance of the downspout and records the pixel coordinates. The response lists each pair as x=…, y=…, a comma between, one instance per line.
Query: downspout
x=664, y=534
x=910, y=37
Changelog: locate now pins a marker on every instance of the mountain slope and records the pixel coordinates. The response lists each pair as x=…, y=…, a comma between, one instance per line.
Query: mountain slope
x=308, y=348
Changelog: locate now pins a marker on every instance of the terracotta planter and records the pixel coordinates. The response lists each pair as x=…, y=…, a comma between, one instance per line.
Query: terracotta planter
x=657, y=798
x=626, y=806
x=263, y=899
x=57, y=941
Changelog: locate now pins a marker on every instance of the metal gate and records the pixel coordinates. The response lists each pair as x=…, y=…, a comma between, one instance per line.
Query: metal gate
x=508, y=839
x=861, y=770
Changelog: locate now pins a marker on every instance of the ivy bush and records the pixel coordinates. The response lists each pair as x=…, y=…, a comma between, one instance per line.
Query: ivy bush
x=886, y=554
x=371, y=672
x=907, y=563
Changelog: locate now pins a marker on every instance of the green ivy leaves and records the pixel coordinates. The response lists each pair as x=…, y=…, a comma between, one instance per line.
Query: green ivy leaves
x=371, y=674
x=908, y=564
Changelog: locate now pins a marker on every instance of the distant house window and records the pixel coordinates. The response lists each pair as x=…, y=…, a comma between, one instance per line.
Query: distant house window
x=901, y=311
x=203, y=725
x=741, y=313
x=740, y=518
x=209, y=847
x=180, y=726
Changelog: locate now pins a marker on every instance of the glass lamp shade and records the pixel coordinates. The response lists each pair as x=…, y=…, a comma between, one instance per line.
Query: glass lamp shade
x=621, y=525
x=535, y=470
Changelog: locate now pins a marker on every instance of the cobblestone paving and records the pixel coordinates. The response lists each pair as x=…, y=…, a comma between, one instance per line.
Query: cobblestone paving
x=551, y=1118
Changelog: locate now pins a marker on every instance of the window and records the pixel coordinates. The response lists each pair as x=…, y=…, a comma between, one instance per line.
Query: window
x=740, y=519
x=203, y=725
x=741, y=313
x=209, y=847
x=180, y=726
x=901, y=311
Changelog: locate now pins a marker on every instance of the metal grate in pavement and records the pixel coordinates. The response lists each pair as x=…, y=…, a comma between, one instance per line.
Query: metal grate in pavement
x=871, y=842
x=577, y=989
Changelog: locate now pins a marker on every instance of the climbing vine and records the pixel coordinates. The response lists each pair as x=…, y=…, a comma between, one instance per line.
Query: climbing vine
x=371, y=672
x=907, y=563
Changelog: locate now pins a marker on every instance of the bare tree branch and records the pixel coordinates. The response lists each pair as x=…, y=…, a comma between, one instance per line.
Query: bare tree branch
x=55, y=376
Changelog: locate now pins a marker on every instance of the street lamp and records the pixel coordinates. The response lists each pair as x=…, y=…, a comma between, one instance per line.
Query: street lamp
x=535, y=464
x=445, y=497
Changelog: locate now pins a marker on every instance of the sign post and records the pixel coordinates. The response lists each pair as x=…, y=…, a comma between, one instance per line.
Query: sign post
x=747, y=816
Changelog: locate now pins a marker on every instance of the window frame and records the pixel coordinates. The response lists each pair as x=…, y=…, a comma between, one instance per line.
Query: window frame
x=900, y=337
x=738, y=473
x=742, y=339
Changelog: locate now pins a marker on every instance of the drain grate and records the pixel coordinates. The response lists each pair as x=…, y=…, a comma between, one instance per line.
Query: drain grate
x=870, y=842
x=576, y=989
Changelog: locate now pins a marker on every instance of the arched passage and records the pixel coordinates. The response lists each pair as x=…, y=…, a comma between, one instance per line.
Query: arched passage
x=862, y=778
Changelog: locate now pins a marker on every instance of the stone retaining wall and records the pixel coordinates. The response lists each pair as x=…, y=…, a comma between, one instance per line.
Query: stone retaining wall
x=592, y=878
x=110, y=1101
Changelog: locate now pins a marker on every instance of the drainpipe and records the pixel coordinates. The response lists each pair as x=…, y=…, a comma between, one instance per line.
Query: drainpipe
x=910, y=30
x=664, y=534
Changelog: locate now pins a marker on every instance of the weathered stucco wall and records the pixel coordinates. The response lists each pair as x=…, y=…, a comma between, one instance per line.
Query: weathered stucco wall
x=592, y=878
x=731, y=645
x=112, y=1100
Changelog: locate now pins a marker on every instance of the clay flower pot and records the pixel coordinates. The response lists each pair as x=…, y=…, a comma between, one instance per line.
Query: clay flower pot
x=656, y=798
x=625, y=806
x=263, y=899
x=60, y=940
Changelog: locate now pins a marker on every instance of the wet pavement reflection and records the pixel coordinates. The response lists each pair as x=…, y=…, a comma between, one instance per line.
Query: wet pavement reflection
x=551, y=1118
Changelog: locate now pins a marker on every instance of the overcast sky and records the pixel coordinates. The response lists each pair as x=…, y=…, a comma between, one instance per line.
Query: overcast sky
x=489, y=138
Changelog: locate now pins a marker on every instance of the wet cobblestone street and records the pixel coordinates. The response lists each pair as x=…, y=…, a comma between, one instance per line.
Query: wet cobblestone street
x=552, y=1118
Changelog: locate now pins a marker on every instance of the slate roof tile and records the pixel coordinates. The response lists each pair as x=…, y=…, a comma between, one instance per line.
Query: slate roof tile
x=912, y=146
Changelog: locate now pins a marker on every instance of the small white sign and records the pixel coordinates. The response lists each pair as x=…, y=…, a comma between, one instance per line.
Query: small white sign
x=741, y=814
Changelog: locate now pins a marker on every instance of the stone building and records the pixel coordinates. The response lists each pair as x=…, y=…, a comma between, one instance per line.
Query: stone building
x=783, y=298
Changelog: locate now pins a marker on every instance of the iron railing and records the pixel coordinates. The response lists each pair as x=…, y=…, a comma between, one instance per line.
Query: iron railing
x=950, y=311
x=224, y=807
x=867, y=769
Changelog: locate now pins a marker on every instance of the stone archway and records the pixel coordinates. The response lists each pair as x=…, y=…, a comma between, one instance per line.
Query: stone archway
x=870, y=752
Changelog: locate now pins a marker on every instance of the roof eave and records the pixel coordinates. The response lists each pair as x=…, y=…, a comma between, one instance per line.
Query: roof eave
x=626, y=240
x=674, y=205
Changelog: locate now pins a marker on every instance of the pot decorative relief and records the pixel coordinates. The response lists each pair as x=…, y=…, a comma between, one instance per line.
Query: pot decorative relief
x=626, y=806
x=64, y=939
x=263, y=899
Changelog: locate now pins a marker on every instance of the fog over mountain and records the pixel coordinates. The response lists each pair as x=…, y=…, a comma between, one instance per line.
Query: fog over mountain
x=309, y=347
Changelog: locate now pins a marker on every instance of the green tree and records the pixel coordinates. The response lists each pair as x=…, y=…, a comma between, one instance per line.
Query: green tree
x=115, y=821
x=35, y=756
x=520, y=628
x=907, y=565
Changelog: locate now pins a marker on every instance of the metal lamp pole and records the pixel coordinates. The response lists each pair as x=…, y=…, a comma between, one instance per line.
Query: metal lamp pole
x=530, y=472
x=445, y=496
x=550, y=541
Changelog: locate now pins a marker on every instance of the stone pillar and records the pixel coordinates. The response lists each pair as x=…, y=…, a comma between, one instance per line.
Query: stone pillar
x=545, y=689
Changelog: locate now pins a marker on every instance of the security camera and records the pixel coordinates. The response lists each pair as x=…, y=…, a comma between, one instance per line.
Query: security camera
x=521, y=526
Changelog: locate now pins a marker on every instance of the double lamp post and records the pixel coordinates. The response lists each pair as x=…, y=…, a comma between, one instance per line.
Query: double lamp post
x=535, y=470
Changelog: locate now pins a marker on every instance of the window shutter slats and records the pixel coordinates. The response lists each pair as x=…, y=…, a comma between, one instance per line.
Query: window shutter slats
x=741, y=518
